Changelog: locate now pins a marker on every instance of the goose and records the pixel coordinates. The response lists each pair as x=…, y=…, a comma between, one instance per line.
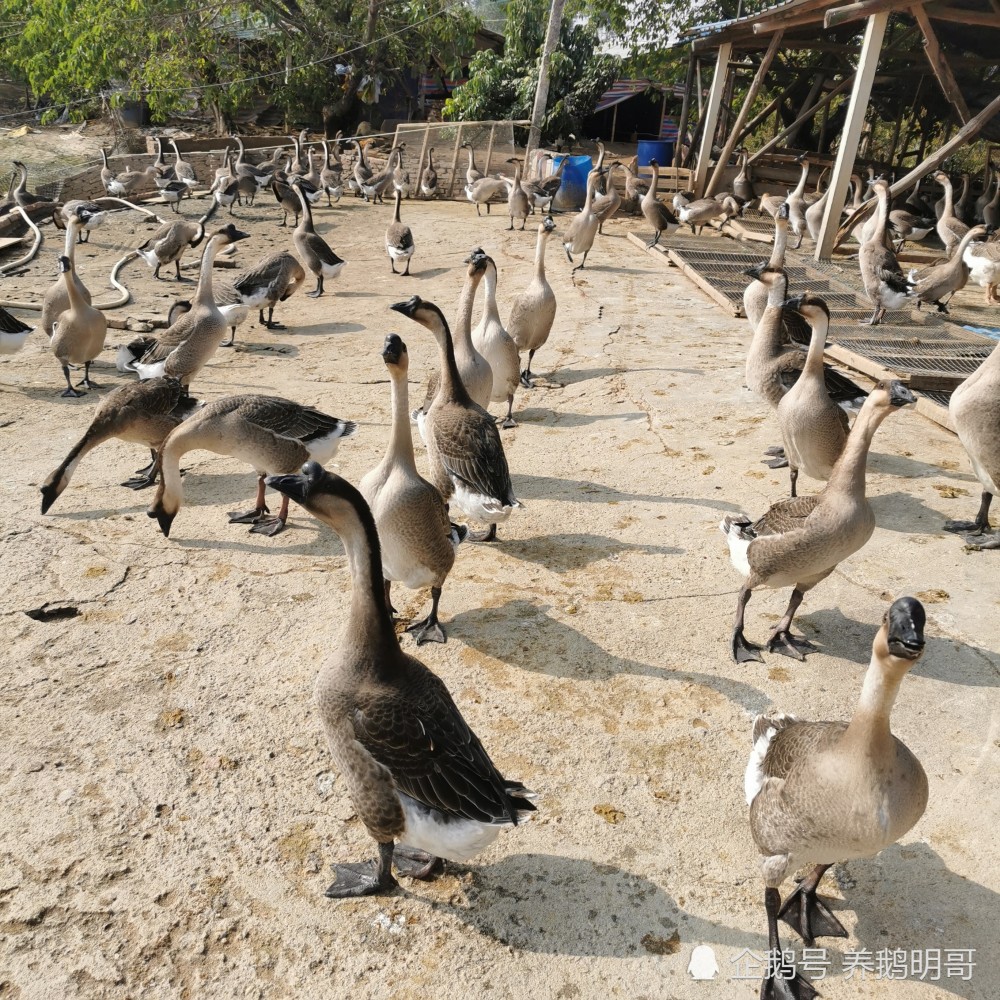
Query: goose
x=296, y=166
x=78, y=333
x=401, y=179
x=814, y=215
x=582, y=230
x=120, y=185
x=743, y=183
x=186, y=346
x=318, y=255
x=533, y=311
x=89, y=214
x=163, y=172
x=225, y=172
x=635, y=186
x=963, y=208
x=140, y=412
x=543, y=190
x=418, y=540
x=23, y=197
x=984, y=199
x=483, y=190
x=756, y=293
x=260, y=176
x=331, y=177
x=991, y=210
x=975, y=414
x=399, y=243
x=518, y=203
x=13, y=333
x=376, y=186
x=822, y=792
x=949, y=227
x=932, y=284
x=886, y=285
x=770, y=203
x=909, y=228
x=168, y=244
x=287, y=197
x=56, y=298
x=983, y=261
x=495, y=344
x=473, y=369
x=130, y=353
x=813, y=427
x=429, y=177
x=471, y=173
x=226, y=191
x=655, y=211
x=697, y=214
x=607, y=204
x=599, y=166
x=463, y=445
x=272, y=280
x=172, y=193
x=313, y=177
x=270, y=433
x=415, y=771
x=362, y=172
x=797, y=204
x=800, y=542
x=182, y=169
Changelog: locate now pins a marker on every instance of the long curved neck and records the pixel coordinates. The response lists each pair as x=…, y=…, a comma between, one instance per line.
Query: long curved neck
x=780, y=242
x=654, y=183
x=817, y=343
x=204, y=295
x=870, y=723
x=177, y=152
x=451, y=382
x=963, y=197
x=307, y=217
x=540, y=254
x=803, y=177
x=472, y=159
x=240, y=156
x=395, y=214
x=490, y=280
x=72, y=292
x=856, y=181
x=881, y=213
x=949, y=195
x=400, y=448
x=463, y=318
x=848, y=474
x=430, y=159
x=159, y=154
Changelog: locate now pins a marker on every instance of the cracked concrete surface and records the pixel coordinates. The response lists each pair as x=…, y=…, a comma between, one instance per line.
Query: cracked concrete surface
x=170, y=809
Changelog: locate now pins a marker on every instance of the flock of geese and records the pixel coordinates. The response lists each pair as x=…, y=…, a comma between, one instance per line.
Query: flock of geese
x=419, y=778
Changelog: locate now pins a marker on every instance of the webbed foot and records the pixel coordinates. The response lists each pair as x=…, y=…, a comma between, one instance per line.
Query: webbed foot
x=776, y=463
x=789, y=985
x=427, y=630
x=269, y=526
x=808, y=915
x=743, y=650
x=140, y=482
x=775, y=450
x=508, y=423
x=360, y=879
x=983, y=541
x=526, y=381
x=413, y=863
x=959, y=527
x=483, y=536
x=795, y=646
x=248, y=517
x=71, y=394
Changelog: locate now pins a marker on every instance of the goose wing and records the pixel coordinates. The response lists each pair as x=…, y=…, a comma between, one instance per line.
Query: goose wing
x=785, y=516
x=419, y=735
x=399, y=235
x=11, y=324
x=291, y=420
x=475, y=457
x=266, y=273
x=323, y=251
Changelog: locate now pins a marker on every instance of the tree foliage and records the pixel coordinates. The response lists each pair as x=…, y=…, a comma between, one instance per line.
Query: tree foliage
x=503, y=86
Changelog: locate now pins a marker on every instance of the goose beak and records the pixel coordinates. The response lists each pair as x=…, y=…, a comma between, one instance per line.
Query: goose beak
x=393, y=349
x=905, y=621
x=163, y=519
x=899, y=395
x=549, y=223
x=63, y=264
x=298, y=487
x=794, y=303
x=407, y=308
x=756, y=271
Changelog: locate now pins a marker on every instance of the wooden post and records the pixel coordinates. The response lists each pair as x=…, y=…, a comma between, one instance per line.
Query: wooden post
x=701, y=97
x=734, y=132
x=685, y=111
x=614, y=122
x=423, y=156
x=542, y=89
x=489, y=149
x=940, y=65
x=454, y=160
x=843, y=166
x=711, y=117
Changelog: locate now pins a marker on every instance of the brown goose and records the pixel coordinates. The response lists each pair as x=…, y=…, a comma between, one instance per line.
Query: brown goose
x=56, y=298
x=271, y=433
x=78, y=333
x=949, y=227
x=463, y=444
x=319, y=256
x=399, y=243
x=655, y=211
x=797, y=543
x=168, y=244
x=822, y=792
x=418, y=540
x=429, y=177
x=607, y=204
x=933, y=284
x=415, y=771
x=533, y=311
x=143, y=412
x=886, y=285
x=518, y=204
x=272, y=280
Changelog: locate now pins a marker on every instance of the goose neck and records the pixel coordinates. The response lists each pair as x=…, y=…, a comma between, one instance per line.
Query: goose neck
x=204, y=295
x=490, y=281
x=870, y=725
x=463, y=320
x=452, y=386
x=72, y=291
x=803, y=177
x=400, y=439
x=780, y=242
x=817, y=344
x=540, y=253
x=848, y=474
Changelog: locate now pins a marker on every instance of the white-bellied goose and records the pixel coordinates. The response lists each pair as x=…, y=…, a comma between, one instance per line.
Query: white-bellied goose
x=797, y=543
x=963, y=205
x=331, y=177
x=975, y=414
x=697, y=214
x=518, y=204
x=183, y=170
x=582, y=231
x=13, y=333
x=89, y=214
x=163, y=172
x=984, y=198
x=823, y=792
x=983, y=261
x=496, y=345
x=463, y=445
x=949, y=227
x=401, y=178
x=187, y=346
x=883, y=278
x=607, y=204
x=933, y=284
x=743, y=182
x=168, y=244
x=471, y=173
x=418, y=540
x=318, y=255
x=126, y=184
x=272, y=280
x=482, y=191
x=23, y=197
x=399, y=243
x=755, y=294
x=543, y=190
x=272, y=434
x=655, y=211
x=78, y=333
x=635, y=186
x=991, y=210
x=797, y=204
x=533, y=311
x=56, y=298
x=362, y=172
x=415, y=771
x=429, y=177
x=141, y=412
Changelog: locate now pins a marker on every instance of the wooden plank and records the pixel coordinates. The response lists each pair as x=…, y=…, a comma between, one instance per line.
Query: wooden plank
x=711, y=117
x=734, y=132
x=940, y=65
x=10, y=241
x=986, y=18
x=847, y=150
x=692, y=274
x=856, y=11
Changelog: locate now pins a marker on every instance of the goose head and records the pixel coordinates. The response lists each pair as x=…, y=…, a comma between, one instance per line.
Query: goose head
x=900, y=640
x=229, y=234
x=811, y=307
x=427, y=314
x=548, y=224
x=324, y=494
x=394, y=353
x=164, y=509
x=65, y=265
x=891, y=394
x=782, y=212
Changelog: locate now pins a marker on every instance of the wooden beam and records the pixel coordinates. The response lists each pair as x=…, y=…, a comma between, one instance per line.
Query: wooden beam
x=985, y=18
x=967, y=133
x=685, y=111
x=942, y=70
x=711, y=117
x=735, y=131
x=843, y=167
x=856, y=11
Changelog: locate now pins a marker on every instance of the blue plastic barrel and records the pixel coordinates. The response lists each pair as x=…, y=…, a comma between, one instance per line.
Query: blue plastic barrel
x=661, y=150
x=573, y=189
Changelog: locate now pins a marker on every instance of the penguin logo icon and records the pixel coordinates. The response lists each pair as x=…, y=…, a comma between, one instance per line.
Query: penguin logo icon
x=703, y=964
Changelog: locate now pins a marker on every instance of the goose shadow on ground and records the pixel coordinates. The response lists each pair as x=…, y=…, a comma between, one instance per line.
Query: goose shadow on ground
x=911, y=468
x=256, y=347
x=554, y=905
x=564, y=418
x=521, y=628
x=561, y=553
x=528, y=487
x=570, y=376
x=910, y=515
x=944, y=659
x=325, y=326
